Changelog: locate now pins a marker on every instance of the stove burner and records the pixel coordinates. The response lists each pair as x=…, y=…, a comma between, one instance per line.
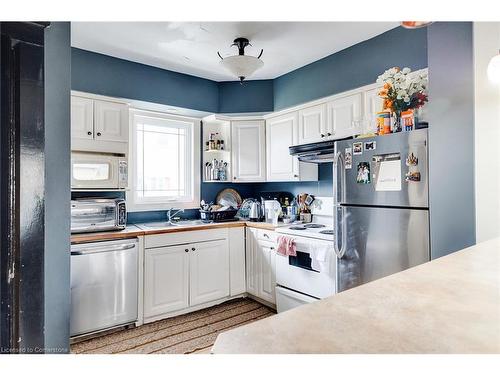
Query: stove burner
x=327, y=232
x=314, y=226
x=297, y=228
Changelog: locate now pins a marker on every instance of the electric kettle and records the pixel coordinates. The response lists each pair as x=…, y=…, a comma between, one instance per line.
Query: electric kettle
x=255, y=213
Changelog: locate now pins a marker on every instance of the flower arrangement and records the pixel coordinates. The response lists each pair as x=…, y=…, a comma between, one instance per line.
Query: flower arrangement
x=402, y=90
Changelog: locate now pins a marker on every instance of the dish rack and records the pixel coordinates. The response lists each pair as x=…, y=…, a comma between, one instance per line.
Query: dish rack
x=218, y=216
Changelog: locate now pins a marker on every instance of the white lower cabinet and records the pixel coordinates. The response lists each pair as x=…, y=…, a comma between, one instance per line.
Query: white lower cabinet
x=208, y=271
x=180, y=277
x=261, y=266
x=166, y=280
x=267, y=281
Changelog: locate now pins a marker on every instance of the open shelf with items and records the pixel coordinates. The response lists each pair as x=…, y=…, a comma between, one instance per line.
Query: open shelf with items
x=216, y=138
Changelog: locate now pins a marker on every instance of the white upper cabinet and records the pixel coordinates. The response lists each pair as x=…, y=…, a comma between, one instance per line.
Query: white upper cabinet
x=281, y=133
x=248, y=150
x=312, y=124
x=209, y=271
x=344, y=116
x=110, y=121
x=372, y=103
x=99, y=125
x=82, y=118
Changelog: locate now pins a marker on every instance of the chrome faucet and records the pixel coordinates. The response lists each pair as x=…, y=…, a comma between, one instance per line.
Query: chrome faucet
x=171, y=215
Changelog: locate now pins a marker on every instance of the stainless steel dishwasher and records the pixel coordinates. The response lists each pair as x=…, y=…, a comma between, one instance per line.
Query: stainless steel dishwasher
x=104, y=280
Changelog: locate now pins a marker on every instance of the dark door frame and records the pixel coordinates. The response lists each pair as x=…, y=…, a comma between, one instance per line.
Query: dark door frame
x=22, y=143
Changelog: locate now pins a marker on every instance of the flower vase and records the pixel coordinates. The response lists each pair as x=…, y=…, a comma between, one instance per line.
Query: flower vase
x=396, y=122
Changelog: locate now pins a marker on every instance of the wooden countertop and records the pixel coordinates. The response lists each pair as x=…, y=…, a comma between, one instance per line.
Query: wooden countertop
x=141, y=230
x=449, y=305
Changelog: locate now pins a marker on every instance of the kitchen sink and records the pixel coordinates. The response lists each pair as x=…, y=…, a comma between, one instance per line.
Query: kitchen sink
x=166, y=224
x=188, y=223
x=156, y=224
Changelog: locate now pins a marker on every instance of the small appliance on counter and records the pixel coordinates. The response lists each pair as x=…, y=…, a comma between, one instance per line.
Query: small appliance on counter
x=97, y=215
x=255, y=213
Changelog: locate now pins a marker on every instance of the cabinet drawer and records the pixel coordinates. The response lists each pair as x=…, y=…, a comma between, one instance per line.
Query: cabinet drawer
x=168, y=239
x=267, y=235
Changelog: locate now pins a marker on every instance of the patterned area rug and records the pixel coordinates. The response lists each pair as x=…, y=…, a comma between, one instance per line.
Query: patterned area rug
x=190, y=333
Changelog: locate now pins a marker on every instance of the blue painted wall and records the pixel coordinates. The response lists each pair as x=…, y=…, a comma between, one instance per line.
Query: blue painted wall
x=451, y=137
x=352, y=67
x=106, y=75
x=251, y=96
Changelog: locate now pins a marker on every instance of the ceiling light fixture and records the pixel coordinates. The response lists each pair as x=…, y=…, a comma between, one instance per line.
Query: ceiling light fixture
x=242, y=65
x=415, y=24
x=494, y=69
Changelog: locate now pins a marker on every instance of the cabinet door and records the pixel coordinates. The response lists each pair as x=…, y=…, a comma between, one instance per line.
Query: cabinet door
x=111, y=121
x=373, y=103
x=281, y=133
x=267, y=271
x=82, y=118
x=237, y=261
x=312, y=124
x=251, y=262
x=248, y=151
x=166, y=280
x=344, y=116
x=209, y=271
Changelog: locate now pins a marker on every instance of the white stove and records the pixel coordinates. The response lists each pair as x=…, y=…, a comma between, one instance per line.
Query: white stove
x=297, y=281
x=321, y=227
x=311, y=230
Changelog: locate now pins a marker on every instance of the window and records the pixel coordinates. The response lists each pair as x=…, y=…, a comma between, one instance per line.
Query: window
x=165, y=161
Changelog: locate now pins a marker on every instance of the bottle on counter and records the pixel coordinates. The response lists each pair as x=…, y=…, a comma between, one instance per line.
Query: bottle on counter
x=222, y=147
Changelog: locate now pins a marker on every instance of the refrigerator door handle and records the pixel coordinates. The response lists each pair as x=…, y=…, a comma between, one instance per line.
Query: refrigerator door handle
x=339, y=186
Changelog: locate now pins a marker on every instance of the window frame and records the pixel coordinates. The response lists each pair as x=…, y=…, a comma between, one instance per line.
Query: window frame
x=157, y=203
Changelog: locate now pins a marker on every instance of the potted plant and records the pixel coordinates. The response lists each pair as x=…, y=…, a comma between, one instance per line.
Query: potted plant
x=402, y=91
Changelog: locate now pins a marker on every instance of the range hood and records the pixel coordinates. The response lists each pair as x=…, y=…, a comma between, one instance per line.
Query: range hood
x=320, y=152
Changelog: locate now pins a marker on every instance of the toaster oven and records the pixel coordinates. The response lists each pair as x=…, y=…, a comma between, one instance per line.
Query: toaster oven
x=95, y=215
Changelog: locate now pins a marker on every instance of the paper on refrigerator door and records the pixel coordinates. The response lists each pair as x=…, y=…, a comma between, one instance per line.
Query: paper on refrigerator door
x=388, y=176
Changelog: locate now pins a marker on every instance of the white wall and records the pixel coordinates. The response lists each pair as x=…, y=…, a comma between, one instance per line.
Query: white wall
x=487, y=133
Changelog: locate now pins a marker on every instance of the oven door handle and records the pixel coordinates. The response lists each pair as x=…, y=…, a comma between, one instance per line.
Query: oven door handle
x=339, y=187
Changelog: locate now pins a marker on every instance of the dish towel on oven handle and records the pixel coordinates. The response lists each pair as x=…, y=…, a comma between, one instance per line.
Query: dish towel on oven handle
x=286, y=246
x=320, y=256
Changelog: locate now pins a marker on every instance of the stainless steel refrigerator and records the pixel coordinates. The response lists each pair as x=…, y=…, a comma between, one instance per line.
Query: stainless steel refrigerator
x=381, y=218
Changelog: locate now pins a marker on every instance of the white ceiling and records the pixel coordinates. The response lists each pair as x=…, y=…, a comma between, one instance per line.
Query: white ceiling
x=191, y=47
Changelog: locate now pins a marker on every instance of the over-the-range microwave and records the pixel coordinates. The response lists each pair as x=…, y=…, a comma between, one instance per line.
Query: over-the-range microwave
x=98, y=171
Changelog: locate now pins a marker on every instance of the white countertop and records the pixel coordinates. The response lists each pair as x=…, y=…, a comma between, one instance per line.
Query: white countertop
x=449, y=305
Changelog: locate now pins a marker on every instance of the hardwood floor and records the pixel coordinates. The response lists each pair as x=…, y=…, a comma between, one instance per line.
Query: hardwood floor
x=192, y=333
